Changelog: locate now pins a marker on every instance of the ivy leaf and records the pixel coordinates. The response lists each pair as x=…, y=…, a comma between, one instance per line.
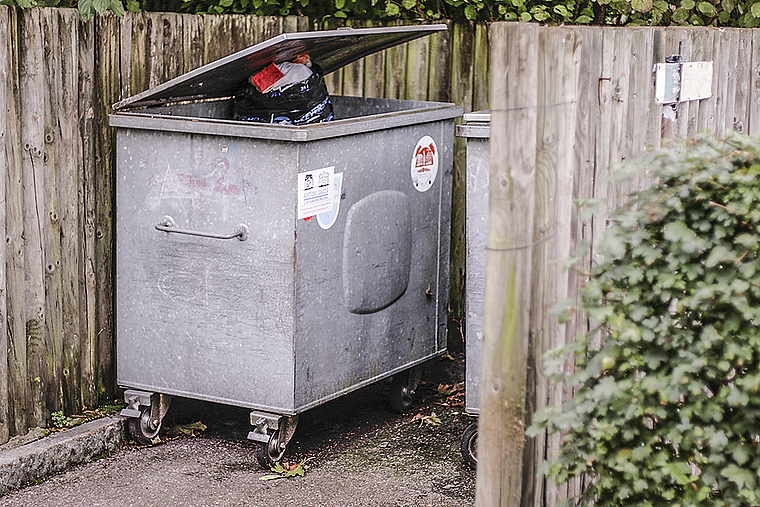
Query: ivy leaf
x=392, y=9
x=707, y=9
x=470, y=12
x=525, y=17
x=679, y=232
x=680, y=15
x=117, y=8
x=755, y=10
x=642, y=5
x=86, y=10
x=741, y=476
x=408, y=4
x=583, y=20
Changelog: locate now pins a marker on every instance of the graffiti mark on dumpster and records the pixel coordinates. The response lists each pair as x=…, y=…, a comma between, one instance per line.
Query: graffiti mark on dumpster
x=424, y=164
x=221, y=178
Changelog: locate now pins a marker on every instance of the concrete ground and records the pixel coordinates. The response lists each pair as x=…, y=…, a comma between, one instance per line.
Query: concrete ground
x=356, y=452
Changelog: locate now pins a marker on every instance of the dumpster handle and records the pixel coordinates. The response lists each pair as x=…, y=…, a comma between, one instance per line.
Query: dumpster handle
x=168, y=225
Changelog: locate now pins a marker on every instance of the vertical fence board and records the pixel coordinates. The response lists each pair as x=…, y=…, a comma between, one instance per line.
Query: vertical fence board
x=395, y=65
x=88, y=283
x=6, y=94
x=584, y=143
x=416, y=81
x=462, y=62
x=555, y=160
x=439, y=75
x=374, y=71
x=106, y=88
x=353, y=73
x=192, y=42
x=548, y=128
x=14, y=209
x=754, y=94
x=742, y=71
x=480, y=68
x=31, y=77
x=139, y=63
x=514, y=87
x=68, y=175
x=53, y=46
x=706, y=117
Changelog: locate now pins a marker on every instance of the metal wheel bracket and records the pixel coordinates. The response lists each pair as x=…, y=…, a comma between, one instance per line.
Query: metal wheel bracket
x=159, y=405
x=134, y=399
x=266, y=424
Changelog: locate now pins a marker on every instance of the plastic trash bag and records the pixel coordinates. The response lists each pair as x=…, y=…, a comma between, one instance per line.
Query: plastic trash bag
x=295, y=93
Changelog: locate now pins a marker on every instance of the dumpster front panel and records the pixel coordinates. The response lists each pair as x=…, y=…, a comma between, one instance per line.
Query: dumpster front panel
x=372, y=286
x=206, y=317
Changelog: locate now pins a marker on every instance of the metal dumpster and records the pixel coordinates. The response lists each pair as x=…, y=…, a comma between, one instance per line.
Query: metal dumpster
x=276, y=267
x=476, y=130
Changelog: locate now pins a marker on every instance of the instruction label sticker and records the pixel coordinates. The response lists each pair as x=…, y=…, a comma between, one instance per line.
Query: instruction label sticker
x=315, y=193
x=424, y=164
x=328, y=218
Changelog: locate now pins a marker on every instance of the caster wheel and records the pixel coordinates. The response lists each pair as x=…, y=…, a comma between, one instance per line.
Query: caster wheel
x=141, y=430
x=271, y=452
x=402, y=389
x=469, y=445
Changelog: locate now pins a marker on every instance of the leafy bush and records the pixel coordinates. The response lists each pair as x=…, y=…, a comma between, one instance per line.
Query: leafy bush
x=737, y=13
x=742, y=13
x=667, y=408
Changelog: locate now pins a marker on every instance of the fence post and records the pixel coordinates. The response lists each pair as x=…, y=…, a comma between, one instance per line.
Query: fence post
x=514, y=84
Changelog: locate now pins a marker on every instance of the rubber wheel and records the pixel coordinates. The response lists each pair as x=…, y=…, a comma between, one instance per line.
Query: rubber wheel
x=402, y=393
x=270, y=453
x=469, y=445
x=140, y=430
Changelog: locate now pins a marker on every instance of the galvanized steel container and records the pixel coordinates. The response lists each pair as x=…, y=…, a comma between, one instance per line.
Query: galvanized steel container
x=277, y=267
x=476, y=129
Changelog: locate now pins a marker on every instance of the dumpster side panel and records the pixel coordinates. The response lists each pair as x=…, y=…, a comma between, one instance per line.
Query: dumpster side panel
x=372, y=288
x=477, y=238
x=204, y=317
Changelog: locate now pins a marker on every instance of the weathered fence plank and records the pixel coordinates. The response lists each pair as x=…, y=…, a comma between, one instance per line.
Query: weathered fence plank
x=514, y=85
x=107, y=56
x=754, y=113
x=68, y=215
x=31, y=77
x=88, y=283
x=51, y=243
x=6, y=94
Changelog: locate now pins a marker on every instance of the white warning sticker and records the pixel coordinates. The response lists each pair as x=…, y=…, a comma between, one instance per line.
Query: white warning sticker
x=424, y=164
x=328, y=218
x=315, y=193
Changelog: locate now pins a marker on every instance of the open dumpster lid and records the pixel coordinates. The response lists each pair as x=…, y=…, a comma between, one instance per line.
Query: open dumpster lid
x=331, y=49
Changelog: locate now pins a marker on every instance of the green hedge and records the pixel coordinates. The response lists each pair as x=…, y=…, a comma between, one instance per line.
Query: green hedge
x=667, y=406
x=733, y=13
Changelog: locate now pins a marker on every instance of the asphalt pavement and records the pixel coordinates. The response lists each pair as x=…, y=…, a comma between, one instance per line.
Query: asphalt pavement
x=354, y=452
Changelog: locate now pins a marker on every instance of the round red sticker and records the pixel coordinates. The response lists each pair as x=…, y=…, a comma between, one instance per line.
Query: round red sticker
x=424, y=164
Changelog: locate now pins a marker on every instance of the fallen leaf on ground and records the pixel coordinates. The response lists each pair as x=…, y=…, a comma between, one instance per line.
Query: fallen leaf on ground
x=189, y=430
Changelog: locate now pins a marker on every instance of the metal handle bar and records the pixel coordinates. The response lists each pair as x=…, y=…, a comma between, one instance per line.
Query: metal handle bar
x=168, y=225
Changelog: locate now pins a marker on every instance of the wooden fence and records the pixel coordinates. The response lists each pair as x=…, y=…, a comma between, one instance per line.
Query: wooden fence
x=58, y=78
x=567, y=104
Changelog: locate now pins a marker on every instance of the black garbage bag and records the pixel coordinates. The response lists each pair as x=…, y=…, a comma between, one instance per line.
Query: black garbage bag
x=301, y=103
